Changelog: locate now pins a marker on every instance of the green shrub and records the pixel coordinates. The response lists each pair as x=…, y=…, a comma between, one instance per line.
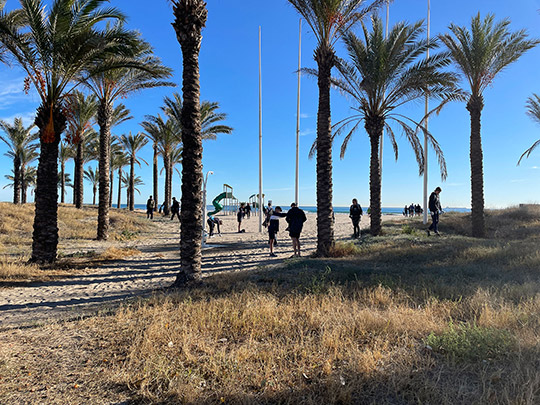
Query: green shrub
x=471, y=343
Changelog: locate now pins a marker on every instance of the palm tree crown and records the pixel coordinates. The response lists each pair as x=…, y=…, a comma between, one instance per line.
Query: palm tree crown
x=533, y=111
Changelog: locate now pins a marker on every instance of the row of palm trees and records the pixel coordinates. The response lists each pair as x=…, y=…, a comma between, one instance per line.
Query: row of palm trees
x=384, y=73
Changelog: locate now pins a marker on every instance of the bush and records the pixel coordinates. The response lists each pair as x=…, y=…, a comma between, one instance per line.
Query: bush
x=471, y=343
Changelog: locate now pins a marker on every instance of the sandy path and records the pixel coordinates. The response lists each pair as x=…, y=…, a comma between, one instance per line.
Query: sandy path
x=108, y=285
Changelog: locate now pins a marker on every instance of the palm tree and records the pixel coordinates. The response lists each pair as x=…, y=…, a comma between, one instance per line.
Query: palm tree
x=153, y=133
x=190, y=19
x=133, y=144
x=385, y=74
x=66, y=180
x=55, y=47
x=480, y=54
x=81, y=111
x=328, y=20
x=118, y=160
x=66, y=153
x=28, y=178
x=533, y=111
x=19, y=140
x=28, y=174
x=93, y=177
x=144, y=71
x=137, y=181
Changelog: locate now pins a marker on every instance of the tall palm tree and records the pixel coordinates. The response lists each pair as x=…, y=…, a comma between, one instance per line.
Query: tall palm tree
x=132, y=145
x=66, y=153
x=190, y=18
x=328, y=20
x=137, y=181
x=81, y=111
x=533, y=111
x=55, y=46
x=480, y=54
x=144, y=71
x=92, y=175
x=118, y=161
x=28, y=174
x=153, y=132
x=19, y=140
x=383, y=75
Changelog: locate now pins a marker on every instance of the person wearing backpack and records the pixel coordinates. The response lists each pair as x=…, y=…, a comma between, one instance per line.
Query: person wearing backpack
x=355, y=213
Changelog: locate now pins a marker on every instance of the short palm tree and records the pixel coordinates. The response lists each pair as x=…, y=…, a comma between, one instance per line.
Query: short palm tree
x=66, y=153
x=533, y=111
x=328, y=20
x=144, y=71
x=132, y=145
x=28, y=178
x=28, y=174
x=118, y=161
x=152, y=127
x=383, y=75
x=92, y=175
x=480, y=54
x=55, y=46
x=80, y=111
x=137, y=181
x=19, y=140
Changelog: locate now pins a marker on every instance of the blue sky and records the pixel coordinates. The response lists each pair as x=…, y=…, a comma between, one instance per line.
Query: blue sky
x=229, y=75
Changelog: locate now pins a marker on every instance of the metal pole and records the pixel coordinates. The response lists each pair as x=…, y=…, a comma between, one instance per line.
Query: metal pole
x=382, y=136
x=260, y=136
x=425, y=218
x=298, y=112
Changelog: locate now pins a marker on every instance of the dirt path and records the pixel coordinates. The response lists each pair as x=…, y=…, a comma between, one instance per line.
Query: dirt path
x=104, y=287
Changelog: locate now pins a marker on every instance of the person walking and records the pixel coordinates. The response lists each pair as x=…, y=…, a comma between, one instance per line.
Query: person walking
x=248, y=210
x=150, y=208
x=355, y=214
x=240, y=216
x=295, y=218
x=175, y=208
x=273, y=228
x=435, y=208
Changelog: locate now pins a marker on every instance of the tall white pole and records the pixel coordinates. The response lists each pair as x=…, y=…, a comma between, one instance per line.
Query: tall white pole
x=425, y=135
x=260, y=136
x=298, y=112
x=382, y=135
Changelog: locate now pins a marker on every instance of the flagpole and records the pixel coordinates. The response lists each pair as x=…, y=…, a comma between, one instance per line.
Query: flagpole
x=260, y=137
x=382, y=135
x=298, y=112
x=426, y=125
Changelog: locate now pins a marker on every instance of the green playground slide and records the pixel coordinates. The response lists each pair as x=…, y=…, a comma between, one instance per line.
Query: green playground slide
x=216, y=202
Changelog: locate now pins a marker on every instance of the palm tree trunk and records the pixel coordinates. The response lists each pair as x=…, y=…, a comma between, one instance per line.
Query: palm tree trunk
x=190, y=18
x=111, y=185
x=128, y=197
x=62, y=182
x=475, y=106
x=169, y=183
x=78, y=190
x=23, y=185
x=132, y=183
x=166, y=164
x=94, y=190
x=119, y=202
x=325, y=225
x=374, y=127
x=104, y=122
x=45, y=236
x=156, y=174
x=16, y=180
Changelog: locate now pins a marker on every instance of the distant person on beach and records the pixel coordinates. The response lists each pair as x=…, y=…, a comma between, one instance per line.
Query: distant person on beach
x=175, y=208
x=162, y=207
x=355, y=214
x=268, y=211
x=248, y=210
x=213, y=222
x=406, y=211
x=150, y=208
x=411, y=210
x=295, y=218
x=239, y=216
x=273, y=228
x=435, y=208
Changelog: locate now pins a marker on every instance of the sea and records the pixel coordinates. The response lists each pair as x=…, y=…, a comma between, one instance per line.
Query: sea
x=337, y=210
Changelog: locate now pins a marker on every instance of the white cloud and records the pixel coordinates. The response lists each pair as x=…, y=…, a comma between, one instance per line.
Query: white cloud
x=307, y=132
x=27, y=117
x=304, y=115
x=518, y=181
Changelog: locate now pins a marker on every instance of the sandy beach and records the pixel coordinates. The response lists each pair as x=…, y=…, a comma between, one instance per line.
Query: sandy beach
x=104, y=287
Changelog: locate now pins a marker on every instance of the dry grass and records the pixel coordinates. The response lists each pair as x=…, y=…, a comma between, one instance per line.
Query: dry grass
x=409, y=319
x=75, y=226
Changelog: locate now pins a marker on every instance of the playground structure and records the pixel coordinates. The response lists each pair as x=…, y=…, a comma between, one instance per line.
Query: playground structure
x=225, y=203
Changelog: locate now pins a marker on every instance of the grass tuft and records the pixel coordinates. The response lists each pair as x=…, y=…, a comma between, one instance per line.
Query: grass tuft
x=344, y=249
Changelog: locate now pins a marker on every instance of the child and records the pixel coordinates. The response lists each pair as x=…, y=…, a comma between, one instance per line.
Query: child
x=273, y=228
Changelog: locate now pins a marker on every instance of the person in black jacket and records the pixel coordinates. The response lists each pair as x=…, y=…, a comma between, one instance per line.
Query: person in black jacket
x=150, y=208
x=435, y=208
x=273, y=228
x=355, y=214
x=175, y=208
x=295, y=218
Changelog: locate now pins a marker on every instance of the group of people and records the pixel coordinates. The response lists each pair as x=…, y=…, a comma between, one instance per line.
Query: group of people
x=174, y=208
x=243, y=211
x=295, y=218
x=413, y=210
